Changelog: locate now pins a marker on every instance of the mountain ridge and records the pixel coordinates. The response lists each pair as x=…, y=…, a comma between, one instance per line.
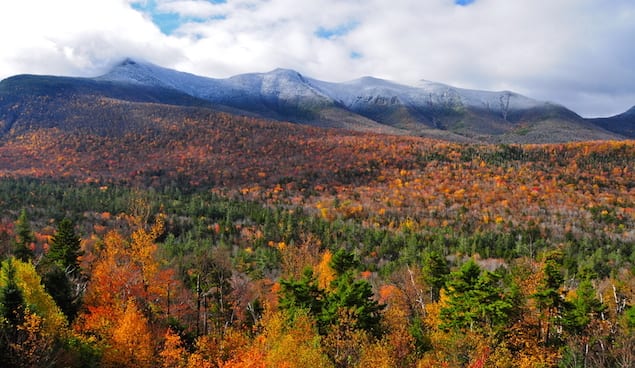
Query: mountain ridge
x=623, y=123
x=367, y=104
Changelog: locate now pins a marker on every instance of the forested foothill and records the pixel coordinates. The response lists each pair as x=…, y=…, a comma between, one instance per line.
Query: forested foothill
x=272, y=245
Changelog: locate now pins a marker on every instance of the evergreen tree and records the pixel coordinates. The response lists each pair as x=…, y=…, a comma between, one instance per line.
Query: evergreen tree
x=11, y=314
x=476, y=300
x=343, y=262
x=548, y=297
x=60, y=287
x=583, y=308
x=24, y=238
x=65, y=247
x=346, y=295
x=303, y=293
x=351, y=295
x=356, y=298
x=435, y=273
x=60, y=265
x=11, y=298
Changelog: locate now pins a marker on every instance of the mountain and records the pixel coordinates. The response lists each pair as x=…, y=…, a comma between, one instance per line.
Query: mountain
x=29, y=101
x=623, y=123
x=366, y=104
x=372, y=104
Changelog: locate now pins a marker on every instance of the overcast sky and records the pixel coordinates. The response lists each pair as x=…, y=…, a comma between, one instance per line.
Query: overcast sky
x=578, y=53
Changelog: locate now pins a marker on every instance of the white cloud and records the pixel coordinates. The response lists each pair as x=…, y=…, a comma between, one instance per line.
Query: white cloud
x=568, y=51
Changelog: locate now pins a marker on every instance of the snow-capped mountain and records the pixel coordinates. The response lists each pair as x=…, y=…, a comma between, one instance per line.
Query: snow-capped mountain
x=365, y=104
x=283, y=85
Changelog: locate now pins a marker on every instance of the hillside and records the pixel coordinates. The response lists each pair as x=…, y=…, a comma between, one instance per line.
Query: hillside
x=158, y=145
x=233, y=241
x=143, y=226
x=623, y=123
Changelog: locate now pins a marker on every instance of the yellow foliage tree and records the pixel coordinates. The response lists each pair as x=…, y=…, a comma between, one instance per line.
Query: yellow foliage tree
x=292, y=341
x=131, y=344
x=173, y=354
x=35, y=345
x=378, y=355
x=37, y=300
x=324, y=272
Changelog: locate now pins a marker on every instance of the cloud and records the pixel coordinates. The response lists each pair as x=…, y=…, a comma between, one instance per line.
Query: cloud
x=572, y=52
x=76, y=37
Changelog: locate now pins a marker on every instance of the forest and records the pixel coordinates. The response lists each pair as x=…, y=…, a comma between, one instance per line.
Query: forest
x=313, y=248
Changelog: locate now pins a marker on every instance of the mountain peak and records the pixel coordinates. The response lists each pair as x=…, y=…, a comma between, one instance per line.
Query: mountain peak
x=133, y=71
x=283, y=71
x=127, y=61
x=286, y=94
x=288, y=74
x=131, y=63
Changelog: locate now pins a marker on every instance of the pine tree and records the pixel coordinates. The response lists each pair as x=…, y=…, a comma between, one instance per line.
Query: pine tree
x=345, y=296
x=548, y=297
x=12, y=314
x=583, y=308
x=24, y=238
x=59, y=286
x=11, y=298
x=60, y=265
x=476, y=301
x=65, y=247
x=435, y=273
x=303, y=293
x=352, y=296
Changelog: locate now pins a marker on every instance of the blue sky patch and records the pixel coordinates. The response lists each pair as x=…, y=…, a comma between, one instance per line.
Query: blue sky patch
x=356, y=55
x=463, y=2
x=331, y=33
x=168, y=22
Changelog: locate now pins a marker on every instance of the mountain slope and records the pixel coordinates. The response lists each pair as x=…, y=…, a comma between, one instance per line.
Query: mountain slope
x=366, y=104
x=623, y=123
x=281, y=94
x=430, y=109
x=28, y=101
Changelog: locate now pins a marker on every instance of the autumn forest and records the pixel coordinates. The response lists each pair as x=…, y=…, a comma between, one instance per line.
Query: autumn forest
x=203, y=239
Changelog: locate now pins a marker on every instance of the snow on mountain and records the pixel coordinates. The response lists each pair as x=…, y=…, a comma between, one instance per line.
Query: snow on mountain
x=289, y=85
x=428, y=94
x=287, y=95
x=143, y=73
x=365, y=104
x=280, y=83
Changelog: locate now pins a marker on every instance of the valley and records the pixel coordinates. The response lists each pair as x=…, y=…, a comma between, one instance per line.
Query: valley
x=335, y=225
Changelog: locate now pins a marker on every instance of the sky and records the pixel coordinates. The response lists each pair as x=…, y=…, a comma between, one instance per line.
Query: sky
x=578, y=53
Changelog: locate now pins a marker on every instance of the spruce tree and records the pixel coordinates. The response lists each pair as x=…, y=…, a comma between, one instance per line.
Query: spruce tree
x=11, y=314
x=583, y=308
x=60, y=265
x=347, y=294
x=58, y=285
x=65, y=247
x=24, y=238
x=476, y=300
x=435, y=273
x=548, y=297
x=11, y=298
